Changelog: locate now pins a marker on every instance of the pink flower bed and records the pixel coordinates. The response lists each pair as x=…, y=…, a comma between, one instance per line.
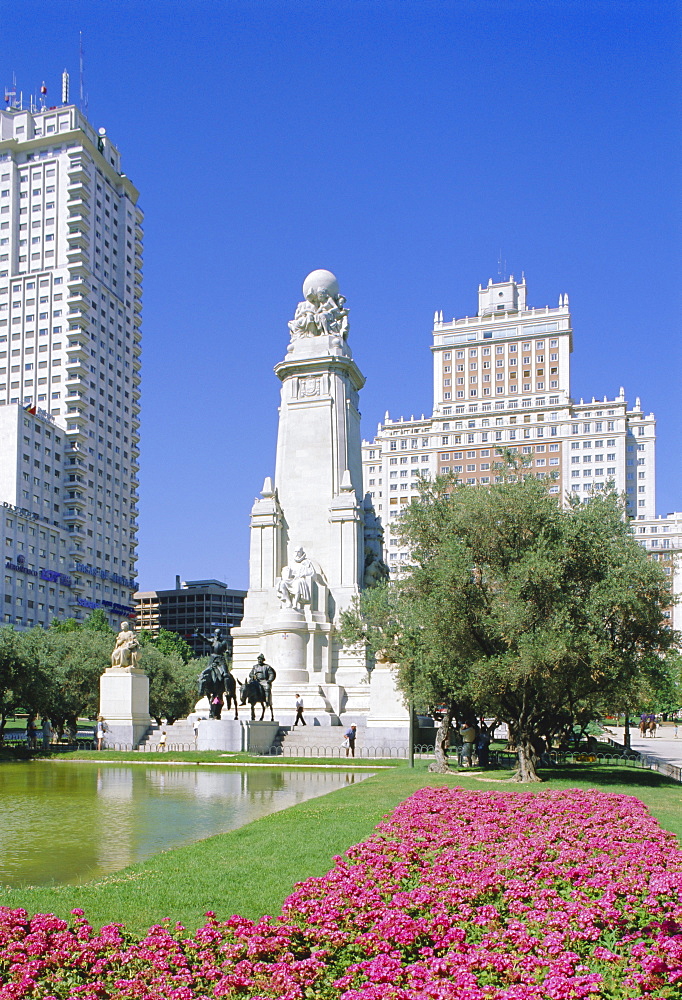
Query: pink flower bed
x=478, y=896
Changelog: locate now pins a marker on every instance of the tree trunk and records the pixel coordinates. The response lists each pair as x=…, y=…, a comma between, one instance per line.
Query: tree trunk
x=527, y=769
x=440, y=764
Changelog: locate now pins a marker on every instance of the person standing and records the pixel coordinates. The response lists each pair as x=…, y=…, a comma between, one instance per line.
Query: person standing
x=101, y=730
x=31, y=732
x=468, y=731
x=349, y=740
x=47, y=733
x=483, y=747
x=299, y=710
x=161, y=745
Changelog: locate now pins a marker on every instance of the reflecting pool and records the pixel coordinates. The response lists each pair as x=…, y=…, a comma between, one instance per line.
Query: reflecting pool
x=68, y=823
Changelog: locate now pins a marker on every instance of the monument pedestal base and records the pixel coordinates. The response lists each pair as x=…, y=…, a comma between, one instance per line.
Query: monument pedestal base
x=386, y=706
x=220, y=734
x=124, y=703
x=236, y=735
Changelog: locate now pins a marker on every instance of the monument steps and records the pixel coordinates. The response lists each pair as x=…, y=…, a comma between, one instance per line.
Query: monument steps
x=304, y=739
x=180, y=734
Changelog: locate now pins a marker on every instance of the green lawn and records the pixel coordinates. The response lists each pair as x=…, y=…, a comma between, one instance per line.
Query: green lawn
x=251, y=870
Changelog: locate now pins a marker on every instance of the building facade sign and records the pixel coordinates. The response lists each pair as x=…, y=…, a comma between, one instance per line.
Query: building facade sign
x=104, y=574
x=23, y=511
x=51, y=575
x=115, y=609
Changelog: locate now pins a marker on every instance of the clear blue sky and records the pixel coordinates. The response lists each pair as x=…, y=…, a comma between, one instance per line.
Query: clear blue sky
x=400, y=144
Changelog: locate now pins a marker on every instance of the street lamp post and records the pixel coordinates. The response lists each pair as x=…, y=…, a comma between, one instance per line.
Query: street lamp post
x=411, y=729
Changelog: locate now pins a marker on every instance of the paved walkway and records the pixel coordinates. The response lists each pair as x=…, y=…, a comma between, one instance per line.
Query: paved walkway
x=662, y=747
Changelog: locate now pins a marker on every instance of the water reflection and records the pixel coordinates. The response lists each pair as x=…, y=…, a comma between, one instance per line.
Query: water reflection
x=62, y=823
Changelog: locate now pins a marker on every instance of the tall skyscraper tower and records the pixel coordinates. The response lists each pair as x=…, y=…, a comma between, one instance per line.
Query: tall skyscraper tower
x=70, y=303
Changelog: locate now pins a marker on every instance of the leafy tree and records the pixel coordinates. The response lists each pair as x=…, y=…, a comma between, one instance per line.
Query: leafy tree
x=167, y=642
x=530, y=612
x=172, y=683
x=78, y=663
x=97, y=621
x=70, y=657
x=22, y=684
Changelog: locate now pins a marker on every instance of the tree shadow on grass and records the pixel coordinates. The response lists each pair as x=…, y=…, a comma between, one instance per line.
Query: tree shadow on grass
x=609, y=776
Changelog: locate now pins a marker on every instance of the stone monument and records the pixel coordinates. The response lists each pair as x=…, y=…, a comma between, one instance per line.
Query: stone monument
x=124, y=692
x=315, y=540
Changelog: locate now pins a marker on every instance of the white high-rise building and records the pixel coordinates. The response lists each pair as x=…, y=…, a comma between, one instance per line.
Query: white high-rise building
x=662, y=538
x=502, y=381
x=70, y=303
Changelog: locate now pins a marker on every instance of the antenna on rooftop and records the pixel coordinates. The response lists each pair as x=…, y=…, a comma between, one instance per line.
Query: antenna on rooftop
x=501, y=267
x=11, y=94
x=65, y=87
x=83, y=96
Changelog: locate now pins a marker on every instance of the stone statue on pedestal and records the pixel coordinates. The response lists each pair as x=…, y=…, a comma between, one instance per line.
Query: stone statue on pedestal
x=126, y=650
x=124, y=692
x=294, y=587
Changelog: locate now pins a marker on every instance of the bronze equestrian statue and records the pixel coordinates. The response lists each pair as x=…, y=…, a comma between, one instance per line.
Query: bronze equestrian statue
x=216, y=680
x=258, y=688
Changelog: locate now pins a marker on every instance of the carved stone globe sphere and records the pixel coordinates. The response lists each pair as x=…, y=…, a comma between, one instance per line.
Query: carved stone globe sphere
x=322, y=280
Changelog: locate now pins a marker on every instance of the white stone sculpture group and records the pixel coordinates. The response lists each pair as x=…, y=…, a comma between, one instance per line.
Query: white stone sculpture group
x=323, y=311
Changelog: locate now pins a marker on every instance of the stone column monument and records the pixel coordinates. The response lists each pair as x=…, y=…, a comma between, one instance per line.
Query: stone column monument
x=124, y=692
x=309, y=528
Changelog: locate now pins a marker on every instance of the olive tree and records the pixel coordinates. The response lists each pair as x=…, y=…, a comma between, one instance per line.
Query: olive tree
x=525, y=609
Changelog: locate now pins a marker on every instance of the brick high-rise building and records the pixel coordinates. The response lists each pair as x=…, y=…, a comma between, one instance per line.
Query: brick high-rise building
x=502, y=381
x=70, y=303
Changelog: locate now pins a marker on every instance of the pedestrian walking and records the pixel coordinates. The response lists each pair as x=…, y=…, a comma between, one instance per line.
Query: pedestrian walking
x=349, y=740
x=299, y=710
x=162, y=741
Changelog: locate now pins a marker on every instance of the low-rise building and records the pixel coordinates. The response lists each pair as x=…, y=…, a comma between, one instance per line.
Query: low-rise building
x=191, y=608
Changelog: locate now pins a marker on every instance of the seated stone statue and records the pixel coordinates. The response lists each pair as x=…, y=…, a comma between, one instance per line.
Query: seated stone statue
x=294, y=587
x=126, y=651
